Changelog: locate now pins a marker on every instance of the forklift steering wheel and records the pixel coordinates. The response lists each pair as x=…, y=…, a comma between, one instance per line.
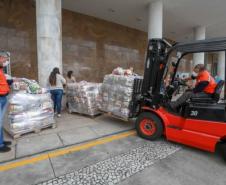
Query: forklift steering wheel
x=182, y=82
x=178, y=83
x=173, y=88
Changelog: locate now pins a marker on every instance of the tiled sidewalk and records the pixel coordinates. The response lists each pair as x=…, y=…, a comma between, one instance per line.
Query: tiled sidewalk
x=113, y=170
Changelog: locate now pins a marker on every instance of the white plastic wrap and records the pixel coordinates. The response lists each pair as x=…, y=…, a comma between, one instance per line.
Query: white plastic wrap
x=116, y=95
x=28, y=112
x=82, y=97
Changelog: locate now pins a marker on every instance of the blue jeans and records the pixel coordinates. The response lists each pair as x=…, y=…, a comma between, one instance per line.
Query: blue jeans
x=3, y=106
x=57, y=98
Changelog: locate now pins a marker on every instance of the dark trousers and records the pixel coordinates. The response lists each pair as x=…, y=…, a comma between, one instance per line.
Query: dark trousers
x=3, y=107
x=187, y=95
x=57, y=99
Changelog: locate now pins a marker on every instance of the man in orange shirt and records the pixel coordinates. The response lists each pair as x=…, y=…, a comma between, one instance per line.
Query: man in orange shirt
x=204, y=87
x=4, y=91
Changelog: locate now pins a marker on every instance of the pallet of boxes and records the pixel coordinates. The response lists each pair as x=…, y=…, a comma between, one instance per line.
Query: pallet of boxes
x=82, y=98
x=117, y=92
x=30, y=108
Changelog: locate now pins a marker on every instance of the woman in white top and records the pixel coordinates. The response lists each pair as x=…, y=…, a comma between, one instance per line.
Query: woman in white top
x=70, y=77
x=57, y=82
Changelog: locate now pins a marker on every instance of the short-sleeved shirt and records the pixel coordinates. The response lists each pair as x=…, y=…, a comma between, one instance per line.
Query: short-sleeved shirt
x=71, y=80
x=60, y=81
x=205, y=76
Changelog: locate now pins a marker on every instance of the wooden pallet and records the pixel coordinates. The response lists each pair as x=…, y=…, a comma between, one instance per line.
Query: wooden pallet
x=34, y=130
x=85, y=115
x=114, y=116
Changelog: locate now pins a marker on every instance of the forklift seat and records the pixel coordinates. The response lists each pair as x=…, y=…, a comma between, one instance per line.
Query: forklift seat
x=215, y=97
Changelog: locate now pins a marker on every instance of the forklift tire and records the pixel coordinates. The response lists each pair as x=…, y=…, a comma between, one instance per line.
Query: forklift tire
x=223, y=150
x=149, y=126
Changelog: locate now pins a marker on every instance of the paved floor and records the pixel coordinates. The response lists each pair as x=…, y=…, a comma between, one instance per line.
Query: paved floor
x=129, y=161
x=117, y=168
x=71, y=129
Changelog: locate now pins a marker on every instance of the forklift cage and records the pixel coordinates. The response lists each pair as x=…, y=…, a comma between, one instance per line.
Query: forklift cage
x=201, y=46
x=148, y=90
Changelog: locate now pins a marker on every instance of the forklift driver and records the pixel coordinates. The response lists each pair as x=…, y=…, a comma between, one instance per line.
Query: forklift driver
x=204, y=87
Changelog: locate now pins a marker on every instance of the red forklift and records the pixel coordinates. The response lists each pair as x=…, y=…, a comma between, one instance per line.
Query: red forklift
x=200, y=122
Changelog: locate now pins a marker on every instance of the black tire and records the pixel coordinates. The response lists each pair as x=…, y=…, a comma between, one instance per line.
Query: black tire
x=223, y=150
x=150, y=131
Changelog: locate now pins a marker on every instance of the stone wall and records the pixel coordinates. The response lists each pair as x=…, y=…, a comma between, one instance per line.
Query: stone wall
x=18, y=36
x=91, y=47
x=94, y=47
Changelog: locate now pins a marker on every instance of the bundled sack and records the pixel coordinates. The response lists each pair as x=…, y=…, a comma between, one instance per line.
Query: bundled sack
x=82, y=97
x=28, y=112
x=28, y=86
x=121, y=71
x=116, y=94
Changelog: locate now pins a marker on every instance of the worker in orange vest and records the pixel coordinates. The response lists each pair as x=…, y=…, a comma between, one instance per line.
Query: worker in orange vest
x=4, y=91
x=204, y=87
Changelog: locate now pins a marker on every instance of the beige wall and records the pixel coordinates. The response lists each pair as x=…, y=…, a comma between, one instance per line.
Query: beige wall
x=94, y=47
x=18, y=36
x=91, y=47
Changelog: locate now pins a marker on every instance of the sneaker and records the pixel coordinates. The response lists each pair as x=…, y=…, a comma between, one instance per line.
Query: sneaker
x=58, y=115
x=7, y=143
x=4, y=149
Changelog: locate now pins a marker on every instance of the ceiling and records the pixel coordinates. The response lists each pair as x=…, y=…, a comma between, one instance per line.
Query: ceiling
x=180, y=16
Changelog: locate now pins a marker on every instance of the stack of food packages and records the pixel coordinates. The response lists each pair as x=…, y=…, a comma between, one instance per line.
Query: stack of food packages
x=116, y=94
x=30, y=107
x=82, y=97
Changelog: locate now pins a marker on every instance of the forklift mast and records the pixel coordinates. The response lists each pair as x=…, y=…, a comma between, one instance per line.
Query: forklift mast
x=154, y=67
x=147, y=91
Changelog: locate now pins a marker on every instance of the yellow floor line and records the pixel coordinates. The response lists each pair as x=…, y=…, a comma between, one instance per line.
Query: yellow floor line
x=64, y=151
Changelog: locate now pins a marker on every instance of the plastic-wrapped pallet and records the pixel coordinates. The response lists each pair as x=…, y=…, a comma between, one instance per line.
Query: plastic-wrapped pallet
x=82, y=97
x=116, y=95
x=28, y=112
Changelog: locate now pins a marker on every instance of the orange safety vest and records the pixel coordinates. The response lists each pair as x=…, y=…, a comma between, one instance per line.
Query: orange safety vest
x=4, y=87
x=205, y=76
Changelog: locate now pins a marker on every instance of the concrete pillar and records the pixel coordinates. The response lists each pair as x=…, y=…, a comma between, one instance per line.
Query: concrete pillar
x=155, y=19
x=49, y=38
x=199, y=34
x=221, y=64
